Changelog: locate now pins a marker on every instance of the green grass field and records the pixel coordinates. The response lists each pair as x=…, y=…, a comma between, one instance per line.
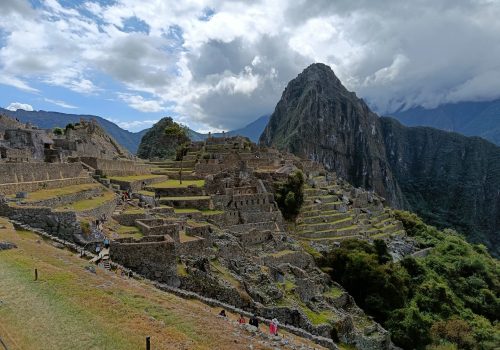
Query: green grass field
x=135, y=177
x=176, y=184
x=58, y=192
x=89, y=203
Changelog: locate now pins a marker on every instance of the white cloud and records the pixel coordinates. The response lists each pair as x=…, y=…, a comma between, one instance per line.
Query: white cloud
x=14, y=106
x=139, y=103
x=134, y=125
x=17, y=83
x=225, y=69
x=60, y=103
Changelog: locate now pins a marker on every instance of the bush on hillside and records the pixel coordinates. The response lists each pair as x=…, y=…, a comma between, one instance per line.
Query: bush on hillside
x=290, y=195
x=449, y=299
x=58, y=131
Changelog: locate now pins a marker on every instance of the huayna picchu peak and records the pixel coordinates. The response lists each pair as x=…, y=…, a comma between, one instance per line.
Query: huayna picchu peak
x=449, y=179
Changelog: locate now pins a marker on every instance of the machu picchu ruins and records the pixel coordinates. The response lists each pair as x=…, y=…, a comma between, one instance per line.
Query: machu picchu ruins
x=249, y=175
x=207, y=223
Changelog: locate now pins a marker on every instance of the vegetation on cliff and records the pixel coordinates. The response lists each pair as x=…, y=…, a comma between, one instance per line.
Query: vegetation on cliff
x=449, y=297
x=290, y=195
x=162, y=140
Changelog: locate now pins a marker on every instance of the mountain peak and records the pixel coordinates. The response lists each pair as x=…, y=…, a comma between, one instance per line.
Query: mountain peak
x=321, y=73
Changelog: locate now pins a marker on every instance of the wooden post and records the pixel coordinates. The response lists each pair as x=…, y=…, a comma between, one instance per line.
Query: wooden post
x=148, y=343
x=180, y=171
x=36, y=274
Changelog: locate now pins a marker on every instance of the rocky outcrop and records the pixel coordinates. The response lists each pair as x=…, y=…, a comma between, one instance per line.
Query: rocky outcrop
x=450, y=180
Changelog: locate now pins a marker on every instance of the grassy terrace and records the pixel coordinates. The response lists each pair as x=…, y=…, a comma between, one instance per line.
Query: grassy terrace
x=129, y=231
x=70, y=308
x=194, y=210
x=135, y=177
x=186, y=211
x=183, y=237
x=134, y=211
x=177, y=184
x=146, y=193
x=58, y=192
x=89, y=203
x=189, y=198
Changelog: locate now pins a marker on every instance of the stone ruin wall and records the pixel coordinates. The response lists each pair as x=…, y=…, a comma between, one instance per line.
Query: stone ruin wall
x=67, y=199
x=111, y=167
x=64, y=225
x=262, y=226
x=255, y=216
x=204, y=169
x=137, y=185
x=295, y=258
x=154, y=257
x=26, y=172
x=193, y=248
x=128, y=219
x=158, y=227
x=203, y=231
x=255, y=237
x=17, y=177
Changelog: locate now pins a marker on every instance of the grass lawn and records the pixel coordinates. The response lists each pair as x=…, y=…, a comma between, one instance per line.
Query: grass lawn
x=58, y=192
x=89, y=203
x=71, y=308
x=176, y=184
x=129, y=231
x=183, y=237
x=186, y=211
x=134, y=177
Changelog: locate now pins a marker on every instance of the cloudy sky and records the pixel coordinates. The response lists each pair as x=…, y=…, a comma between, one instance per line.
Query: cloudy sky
x=215, y=64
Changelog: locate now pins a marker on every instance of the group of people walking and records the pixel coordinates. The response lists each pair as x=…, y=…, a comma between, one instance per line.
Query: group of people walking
x=254, y=321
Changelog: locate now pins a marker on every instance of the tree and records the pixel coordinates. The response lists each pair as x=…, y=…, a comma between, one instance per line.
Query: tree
x=58, y=131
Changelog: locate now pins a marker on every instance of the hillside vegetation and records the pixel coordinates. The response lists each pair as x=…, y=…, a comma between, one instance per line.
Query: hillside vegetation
x=447, y=299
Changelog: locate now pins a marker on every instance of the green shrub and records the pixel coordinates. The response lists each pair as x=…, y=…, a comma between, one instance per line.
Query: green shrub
x=290, y=195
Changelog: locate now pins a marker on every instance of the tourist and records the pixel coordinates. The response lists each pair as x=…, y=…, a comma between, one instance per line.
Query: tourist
x=254, y=321
x=241, y=320
x=222, y=313
x=273, y=327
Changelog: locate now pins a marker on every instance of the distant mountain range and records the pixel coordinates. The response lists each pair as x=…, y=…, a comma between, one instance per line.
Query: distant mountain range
x=468, y=118
x=129, y=140
x=252, y=131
